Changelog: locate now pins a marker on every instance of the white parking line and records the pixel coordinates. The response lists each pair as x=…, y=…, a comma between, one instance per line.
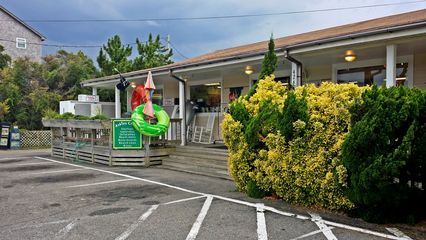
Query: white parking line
x=398, y=233
x=183, y=200
x=132, y=227
x=324, y=228
x=100, y=183
x=271, y=209
x=197, y=224
x=57, y=171
x=11, y=158
x=29, y=164
x=65, y=230
x=309, y=234
x=262, y=234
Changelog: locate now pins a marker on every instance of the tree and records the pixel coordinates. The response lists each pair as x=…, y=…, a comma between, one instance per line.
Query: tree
x=269, y=64
x=114, y=55
x=151, y=54
x=64, y=71
x=4, y=58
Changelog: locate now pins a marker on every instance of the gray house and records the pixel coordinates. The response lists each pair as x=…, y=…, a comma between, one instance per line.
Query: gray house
x=18, y=38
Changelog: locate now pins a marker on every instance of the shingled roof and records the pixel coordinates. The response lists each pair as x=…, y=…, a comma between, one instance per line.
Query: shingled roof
x=42, y=37
x=369, y=26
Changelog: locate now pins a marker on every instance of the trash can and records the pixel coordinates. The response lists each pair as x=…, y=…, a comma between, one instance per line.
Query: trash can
x=4, y=135
x=15, y=138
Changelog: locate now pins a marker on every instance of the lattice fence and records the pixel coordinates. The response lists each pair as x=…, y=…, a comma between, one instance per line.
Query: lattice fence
x=36, y=139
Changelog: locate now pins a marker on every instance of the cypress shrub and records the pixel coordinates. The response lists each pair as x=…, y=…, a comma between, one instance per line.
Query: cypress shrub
x=384, y=154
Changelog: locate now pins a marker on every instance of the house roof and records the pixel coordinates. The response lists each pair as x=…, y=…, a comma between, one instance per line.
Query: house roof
x=298, y=40
x=42, y=37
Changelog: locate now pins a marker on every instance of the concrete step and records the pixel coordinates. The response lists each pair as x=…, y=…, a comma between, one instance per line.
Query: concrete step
x=202, y=155
x=196, y=149
x=205, y=171
x=218, y=164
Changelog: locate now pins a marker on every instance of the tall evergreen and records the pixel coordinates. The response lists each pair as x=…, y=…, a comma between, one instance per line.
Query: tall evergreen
x=114, y=55
x=269, y=64
x=151, y=54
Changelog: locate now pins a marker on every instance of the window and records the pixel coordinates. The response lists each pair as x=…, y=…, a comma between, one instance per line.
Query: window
x=21, y=43
x=371, y=75
x=206, y=96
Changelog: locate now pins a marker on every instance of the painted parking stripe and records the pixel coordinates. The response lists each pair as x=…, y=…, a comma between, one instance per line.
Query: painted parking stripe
x=12, y=158
x=323, y=227
x=29, y=164
x=183, y=200
x=309, y=234
x=362, y=230
x=57, y=171
x=123, y=175
x=271, y=209
x=398, y=233
x=197, y=224
x=132, y=227
x=262, y=234
x=63, y=232
x=100, y=183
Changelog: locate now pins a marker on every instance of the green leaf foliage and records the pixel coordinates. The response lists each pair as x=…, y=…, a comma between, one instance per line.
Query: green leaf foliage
x=151, y=54
x=385, y=154
x=4, y=58
x=114, y=55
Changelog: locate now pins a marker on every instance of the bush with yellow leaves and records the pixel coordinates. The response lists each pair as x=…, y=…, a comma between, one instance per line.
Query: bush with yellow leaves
x=297, y=153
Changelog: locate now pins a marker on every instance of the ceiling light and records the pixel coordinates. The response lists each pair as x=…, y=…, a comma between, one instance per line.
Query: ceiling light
x=350, y=56
x=212, y=84
x=248, y=70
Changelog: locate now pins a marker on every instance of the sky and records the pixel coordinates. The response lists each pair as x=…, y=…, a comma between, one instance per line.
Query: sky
x=191, y=37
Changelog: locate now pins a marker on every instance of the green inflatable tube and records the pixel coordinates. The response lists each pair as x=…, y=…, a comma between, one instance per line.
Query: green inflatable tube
x=147, y=129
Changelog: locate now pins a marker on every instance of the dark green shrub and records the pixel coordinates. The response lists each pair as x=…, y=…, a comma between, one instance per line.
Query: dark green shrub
x=81, y=117
x=294, y=109
x=99, y=117
x=239, y=112
x=254, y=191
x=384, y=154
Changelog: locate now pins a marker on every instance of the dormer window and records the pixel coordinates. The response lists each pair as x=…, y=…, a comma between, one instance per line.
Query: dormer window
x=21, y=43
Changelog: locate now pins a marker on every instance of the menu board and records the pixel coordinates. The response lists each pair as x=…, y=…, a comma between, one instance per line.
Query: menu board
x=124, y=135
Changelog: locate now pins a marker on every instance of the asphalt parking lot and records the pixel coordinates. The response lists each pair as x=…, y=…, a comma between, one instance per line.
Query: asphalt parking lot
x=47, y=198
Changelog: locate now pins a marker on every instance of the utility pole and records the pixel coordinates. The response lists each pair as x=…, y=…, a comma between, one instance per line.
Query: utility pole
x=168, y=45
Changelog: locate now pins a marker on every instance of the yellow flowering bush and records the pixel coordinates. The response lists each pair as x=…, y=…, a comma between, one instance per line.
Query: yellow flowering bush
x=305, y=168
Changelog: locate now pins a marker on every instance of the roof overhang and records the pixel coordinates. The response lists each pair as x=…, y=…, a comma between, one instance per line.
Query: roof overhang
x=378, y=35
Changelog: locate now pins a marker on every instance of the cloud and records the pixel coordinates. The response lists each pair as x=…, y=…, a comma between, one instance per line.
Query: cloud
x=192, y=37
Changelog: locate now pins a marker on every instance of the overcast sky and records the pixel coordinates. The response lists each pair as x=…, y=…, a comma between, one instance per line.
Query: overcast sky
x=192, y=37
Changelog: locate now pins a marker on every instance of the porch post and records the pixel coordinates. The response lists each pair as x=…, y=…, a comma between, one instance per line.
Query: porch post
x=390, y=65
x=128, y=97
x=94, y=91
x=182, y=112
x=296, y=74
x=117, y=104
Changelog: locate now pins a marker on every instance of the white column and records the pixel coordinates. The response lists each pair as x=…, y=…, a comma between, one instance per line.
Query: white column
x=182, y=113
x=128, y=97
x=94, y=91
x=390, y=65
x=117, y=104
x=295, y=75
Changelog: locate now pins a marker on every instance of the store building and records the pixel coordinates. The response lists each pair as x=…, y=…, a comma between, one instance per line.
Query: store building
x=389, y=50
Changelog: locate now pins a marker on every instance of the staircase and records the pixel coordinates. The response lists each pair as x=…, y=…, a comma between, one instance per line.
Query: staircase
x=205, y=161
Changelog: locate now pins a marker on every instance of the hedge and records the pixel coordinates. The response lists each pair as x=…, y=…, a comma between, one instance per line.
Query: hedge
x=289, y=142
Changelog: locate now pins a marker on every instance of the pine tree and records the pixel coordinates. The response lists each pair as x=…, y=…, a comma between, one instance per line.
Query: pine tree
x=151, y=54
x=114, y=55
x=269, y=64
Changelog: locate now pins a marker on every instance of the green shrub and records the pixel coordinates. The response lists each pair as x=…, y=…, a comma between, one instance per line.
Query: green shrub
x=81, y=117
x=99, y=117
x=255, y=191
x=385, y=154
x=51, y=114
x=66, y=115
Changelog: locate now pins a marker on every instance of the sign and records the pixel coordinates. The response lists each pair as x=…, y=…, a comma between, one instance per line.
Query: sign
x=88, y=98
x=124, y=135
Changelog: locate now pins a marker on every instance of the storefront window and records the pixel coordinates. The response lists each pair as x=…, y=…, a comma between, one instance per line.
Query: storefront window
x=206, y=96
x=371, y=75
x=157, y=97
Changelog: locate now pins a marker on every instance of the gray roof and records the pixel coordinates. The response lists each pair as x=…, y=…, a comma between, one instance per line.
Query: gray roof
x=42, y=37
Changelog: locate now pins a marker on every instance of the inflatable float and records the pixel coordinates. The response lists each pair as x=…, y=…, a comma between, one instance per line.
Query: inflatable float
x=146, y=128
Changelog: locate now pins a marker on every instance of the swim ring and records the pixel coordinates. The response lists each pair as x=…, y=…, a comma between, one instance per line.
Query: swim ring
x=147, y=129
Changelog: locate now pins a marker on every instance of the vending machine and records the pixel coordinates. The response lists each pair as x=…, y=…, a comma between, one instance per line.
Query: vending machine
x=4, y=135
